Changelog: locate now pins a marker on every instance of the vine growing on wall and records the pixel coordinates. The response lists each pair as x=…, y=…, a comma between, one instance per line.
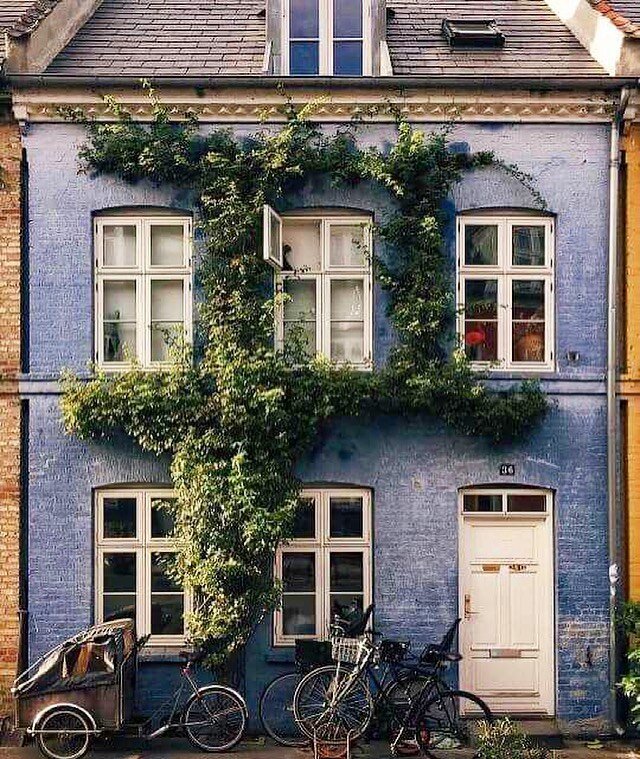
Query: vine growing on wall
x=236, y=417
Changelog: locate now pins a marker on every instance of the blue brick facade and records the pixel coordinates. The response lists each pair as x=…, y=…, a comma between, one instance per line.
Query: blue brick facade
x=414, y=467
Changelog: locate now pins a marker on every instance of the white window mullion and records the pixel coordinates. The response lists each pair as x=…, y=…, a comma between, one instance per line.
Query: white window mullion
x=326, y=37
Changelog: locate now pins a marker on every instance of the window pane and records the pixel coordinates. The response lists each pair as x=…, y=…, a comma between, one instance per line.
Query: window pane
x=299, y=615
x=346, y=517
x=481, y=319
x=162, y=521
x=347, y=320
x=347, y=58
x=121, y=606
x=119, y=319
x=528, y=315
x=119, y=517
x=303, y=20
x=482, y=503
x=528, y=246
x=303, y=58
x=345, y=572
x=347, y=606
x=347, y=18
x=167, y=245
x=300, y=314
x=119, y=572
x=160, y=578
x=301, y=246
x=526, y=503
x=304, y=525
x=167, y=614
x=275, y=243
x=481, y=299
x=298, y=572
x=346, y=245
x=119, y=245
x=167, y=316
x=481, y=245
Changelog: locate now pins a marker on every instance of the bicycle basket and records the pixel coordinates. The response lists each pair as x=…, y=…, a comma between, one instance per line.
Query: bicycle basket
x=312, y=653
x=349, y=650
x=393, y=651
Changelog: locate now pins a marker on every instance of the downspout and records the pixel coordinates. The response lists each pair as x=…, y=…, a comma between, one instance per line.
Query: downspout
x=612, y=426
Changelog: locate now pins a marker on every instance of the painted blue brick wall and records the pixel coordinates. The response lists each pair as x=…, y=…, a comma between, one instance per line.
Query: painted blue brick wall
x=414, y=467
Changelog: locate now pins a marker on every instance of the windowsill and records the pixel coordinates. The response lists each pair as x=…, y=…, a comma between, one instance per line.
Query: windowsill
x=162, y=653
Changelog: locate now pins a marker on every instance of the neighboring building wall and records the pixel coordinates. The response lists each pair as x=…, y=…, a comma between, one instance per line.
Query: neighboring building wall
x=630, y=379
x=413, y=467
x=10, y=157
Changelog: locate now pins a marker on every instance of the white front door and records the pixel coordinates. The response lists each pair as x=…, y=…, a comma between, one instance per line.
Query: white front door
x=506, y=599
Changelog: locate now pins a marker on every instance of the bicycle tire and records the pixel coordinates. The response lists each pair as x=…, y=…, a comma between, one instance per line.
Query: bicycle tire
x=332, y=722
x=223, y=710
x=69, y=727
x=449, y=722
x=398, y=697
x=276, y=711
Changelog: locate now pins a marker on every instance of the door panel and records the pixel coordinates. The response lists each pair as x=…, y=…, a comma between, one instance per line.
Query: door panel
x=506, y=601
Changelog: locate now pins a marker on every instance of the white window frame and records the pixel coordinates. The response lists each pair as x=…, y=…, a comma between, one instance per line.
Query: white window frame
x=324, y=277
x=504, y=493
x=505, y=272
x=322, y=545
x=326, y=39
x=143, y=274
x=143, y=545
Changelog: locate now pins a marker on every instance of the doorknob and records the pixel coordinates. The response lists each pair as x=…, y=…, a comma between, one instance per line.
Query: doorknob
x=467, y=606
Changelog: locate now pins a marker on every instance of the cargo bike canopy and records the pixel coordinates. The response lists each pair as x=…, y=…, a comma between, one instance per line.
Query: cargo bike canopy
x=89, y=659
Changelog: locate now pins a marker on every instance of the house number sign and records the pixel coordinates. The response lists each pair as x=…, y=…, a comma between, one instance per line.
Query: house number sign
x=507, y=470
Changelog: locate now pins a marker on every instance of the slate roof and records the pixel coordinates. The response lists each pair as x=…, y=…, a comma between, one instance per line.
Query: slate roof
x=227, y=37
x=537, y=42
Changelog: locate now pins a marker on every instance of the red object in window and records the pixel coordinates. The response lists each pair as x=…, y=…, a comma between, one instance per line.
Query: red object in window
x=476, y=336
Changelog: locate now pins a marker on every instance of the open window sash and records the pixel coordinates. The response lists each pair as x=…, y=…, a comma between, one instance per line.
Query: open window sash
x=272, y=238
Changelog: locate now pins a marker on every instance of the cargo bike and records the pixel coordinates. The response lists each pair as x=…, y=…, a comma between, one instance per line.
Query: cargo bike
x=85, y=688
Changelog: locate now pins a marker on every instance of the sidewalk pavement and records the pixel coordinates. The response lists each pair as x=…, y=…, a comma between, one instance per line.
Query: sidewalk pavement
x=176, y=748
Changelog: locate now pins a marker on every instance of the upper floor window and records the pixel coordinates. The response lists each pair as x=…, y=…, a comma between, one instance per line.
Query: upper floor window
x=326, y=569
x=143, y=288
x=324, y=269
x=133, y=543
x=505, y=291
x=326, y=37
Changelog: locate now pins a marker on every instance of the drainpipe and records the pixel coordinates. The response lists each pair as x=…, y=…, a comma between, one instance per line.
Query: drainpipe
x=612, y=426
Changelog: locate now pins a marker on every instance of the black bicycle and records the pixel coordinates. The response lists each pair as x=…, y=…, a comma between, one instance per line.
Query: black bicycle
x=337, y=703
x=276, y=702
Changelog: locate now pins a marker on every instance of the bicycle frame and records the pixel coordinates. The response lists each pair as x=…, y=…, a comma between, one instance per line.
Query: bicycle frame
x=176, y=700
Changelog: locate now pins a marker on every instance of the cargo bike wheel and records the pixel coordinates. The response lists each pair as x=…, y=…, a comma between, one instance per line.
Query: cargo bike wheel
x=63, y=733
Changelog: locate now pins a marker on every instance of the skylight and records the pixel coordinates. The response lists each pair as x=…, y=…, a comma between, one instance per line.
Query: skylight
x=476, y=33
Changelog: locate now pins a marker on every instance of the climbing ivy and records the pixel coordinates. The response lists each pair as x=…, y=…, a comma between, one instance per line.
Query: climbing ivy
x=234, y=415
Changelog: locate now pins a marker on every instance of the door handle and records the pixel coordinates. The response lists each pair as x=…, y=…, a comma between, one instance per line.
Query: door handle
x=467, y=606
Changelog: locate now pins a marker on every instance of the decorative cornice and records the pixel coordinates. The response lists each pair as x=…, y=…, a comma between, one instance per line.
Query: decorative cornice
x=437, y=105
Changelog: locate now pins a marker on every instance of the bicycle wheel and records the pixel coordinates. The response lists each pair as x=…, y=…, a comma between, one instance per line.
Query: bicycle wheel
x=449, y=724
x=64, y=733
x=214, y=718
x=397, y=699
x=276, y=711
x=332, y=703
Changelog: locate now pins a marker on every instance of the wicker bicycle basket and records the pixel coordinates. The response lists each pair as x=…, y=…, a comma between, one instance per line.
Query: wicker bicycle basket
x=349, y=650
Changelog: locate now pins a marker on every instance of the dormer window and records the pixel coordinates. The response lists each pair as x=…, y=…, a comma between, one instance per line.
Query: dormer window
x=476, y=33
x=326, y=37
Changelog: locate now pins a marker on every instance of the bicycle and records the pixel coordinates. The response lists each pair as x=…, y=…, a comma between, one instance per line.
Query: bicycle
x=275, y=708
x=337, y=703
x=85, y=687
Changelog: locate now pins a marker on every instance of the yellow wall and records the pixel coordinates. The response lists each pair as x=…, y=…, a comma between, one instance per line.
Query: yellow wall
x=630, y=378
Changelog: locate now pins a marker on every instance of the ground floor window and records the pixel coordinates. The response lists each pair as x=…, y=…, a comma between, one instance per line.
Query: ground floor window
x=133, y=551
x=326, y=569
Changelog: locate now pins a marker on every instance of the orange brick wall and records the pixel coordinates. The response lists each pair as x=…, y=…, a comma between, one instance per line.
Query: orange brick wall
x=630, y=380
x=10, y=154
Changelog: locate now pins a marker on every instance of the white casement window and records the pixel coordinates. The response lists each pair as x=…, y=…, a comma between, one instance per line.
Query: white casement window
x=133, y=544
x=143, y=288
x=323, y=266
x=506, y=292
x=326, y=37
x=326, y=569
